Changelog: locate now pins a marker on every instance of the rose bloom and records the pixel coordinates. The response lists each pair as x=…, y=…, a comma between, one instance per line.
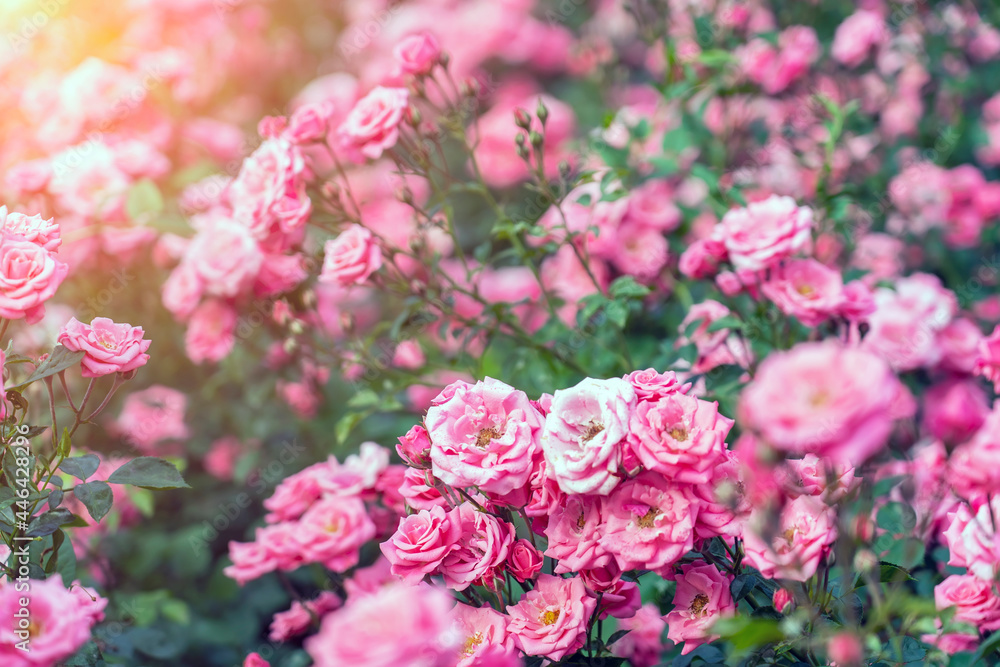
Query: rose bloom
x=813, y=476
x=396, y=625
x=701, y=599
x=651, y=385
x=972, y=540
x=583, y=434
x=254, y=660
x=856, y=36
x=618, y=598
x=716, y=348
x=486, y=435
x=32, y=228
x=524, y=560
x=415, y=447
x=552, y=619
x=975, y=600
x=574, y=530
x=288, y=624
x=722, y=504
x=480, y=629
x=974, y=466
x=269, y=194
x=351, y=257
x=419, y=492
x=334, y=530
x=701, y=259
x=765, y=232
x=151, y=416
x=642, y=646
x=649, y=523
x=793, y=550
x=988, y=361
x=483, y=546
x=422, y=541
x=372, y=126
x=210, y=334
x=108, y=347
x=823, y=398
x=807, y=290
x=417, y=54
x=29, y=276
x=845, y=649
x=226, y=258
x=59, y=621
x=681, y=437
x=955, y=409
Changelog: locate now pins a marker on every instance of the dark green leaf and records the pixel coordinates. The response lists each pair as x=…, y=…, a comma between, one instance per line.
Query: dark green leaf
x=727, y=322
x=616, y=636
x=81, y=467
x=96, y=497
x=58, y=360
x=49, y=522
x=896, y=518
x=149, y=472
x=742, y=586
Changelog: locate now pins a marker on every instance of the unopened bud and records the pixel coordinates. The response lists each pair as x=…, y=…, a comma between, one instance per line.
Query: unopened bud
x=413, y=116
x=522, y=119
x=542, y=112
x=536, y=139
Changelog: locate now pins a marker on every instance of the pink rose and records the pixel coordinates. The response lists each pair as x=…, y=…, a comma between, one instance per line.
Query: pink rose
x=334, y=530
x=823, y=398
x=226, y=258
x=254, y=660
x=483, y=546
x=702, y=598
x=988, y=361
x=524, y=561
x=782, y=600
x=59, y=621
x=641, y=252
x=486, y=435
x=759, y=236
x=716, y=348
x=415, y=447
x=813, y=476
x=481, y=630
x=972, y=540
x=182, y=291
x=975, y=600
x=309, y=123
x=372, y=126
x=29, y=276
x=583, y=435
x=356, y=634
x=552, y=619
x=845, y=649
x=269, y=195
x=806, y=290
x=289, y=624
x=792, y=550
x=32, y=228
x=419, y=491
x=642, y=646
x=210, y=335
x=422, y=541
x=649, y=523
x=679, y=436
x=417, y=54
x=722, y=502
x=108, y=347
x=701, y=259
x=151, y=416
x=954, y=410
x=974, y=466
x=651, y=385
x=574, y=532
x=856, y=36
x=351, y=257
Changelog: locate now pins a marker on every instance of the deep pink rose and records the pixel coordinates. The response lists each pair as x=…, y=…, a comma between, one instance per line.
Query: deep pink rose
x=483, y=546
x=486, y=435
x=701, y=599
x=701, y=259
x=372, y=126
x=351, y=257
x=108, y=347
x=254, y=660
x=584, y=432
x=334, y=530
x=552, y=619
x=295, y=621
x=794, y=548
x=975, y=600
x=954, y=410
x=422, y=541
x=415, y=447
x=845, y=649
x=988, y=361
x=524, y=560
x=642, y=646
x=765, y=232
x=29, y=276
x=649, y=523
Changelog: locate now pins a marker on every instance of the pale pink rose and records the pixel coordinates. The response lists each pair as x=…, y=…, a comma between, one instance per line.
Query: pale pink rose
x=279, y=273
x=415, y=447
x=954, y=410
x=565, y=276
x=651, y=385
x=28, y=177
x=858, y=302
x=351, y=257
x=417, y=54
x=652, y=205
x=309, y=122
x=254, y=660
x=649, y=523
x=716, y=348
x=486, y=435
x=807, y=290
x=959, y=342
x=483, y=546
x=823, y=398
x=988, y=361
x=372, y=126
x=974, y=466
x=32, y=228
x=182, y=291
x=302, y=397
x=108, y=347
x=151, y=416
x=222, y=456
x=251, y=560
x=552, y=619
x=856, y=36
x=642, y=646
x=845, y=648
x=210, y=335
x=681, y=437
x=58, y=621
x=419, y=491
x=701, y=259
x=723, y=505
x=368, y=580
x=702, y=598
x=641, y=251
x=422, y=541
x=480, y=630
x=953, y=642
x=524, y=560
x=334, y=530
x=794, y=547
x=759, y=236
x=972, y=540
x=574, y=530
x=775, y=69
x=226, y=258
x=880, y=255
x=269, y=195
x=813, y=476
x=421, y=633
x=408, y=355
x=584, y=432
x=296, y=621
x=297, y=492
x=29, y=276
x=975, y=600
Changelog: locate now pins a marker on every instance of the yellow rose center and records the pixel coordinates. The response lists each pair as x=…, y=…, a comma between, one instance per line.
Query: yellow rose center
x=487, y=435
x=647, y=519
x=549, y=617
x=678, y=433
x=592, y=430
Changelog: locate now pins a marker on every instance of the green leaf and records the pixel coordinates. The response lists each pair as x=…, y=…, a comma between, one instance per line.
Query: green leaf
x=890, y=574
x=617, y=312
x=746, y=633
x=149, y=472
x=896, y=518
x=81, y=467
x=742, y=586
x=616, y=636
x=58, y=360
x=49, y=522
x=627, y=287
x=143, y=200
x=906, y=553
x=986, y=648
x=727, y=322
x=96, y=497
x=346, y=424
